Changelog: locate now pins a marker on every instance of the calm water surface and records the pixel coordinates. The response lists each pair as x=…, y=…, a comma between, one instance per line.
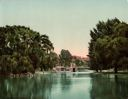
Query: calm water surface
x=65, y=86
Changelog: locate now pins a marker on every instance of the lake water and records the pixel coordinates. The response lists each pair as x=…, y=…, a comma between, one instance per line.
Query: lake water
x=65, y=86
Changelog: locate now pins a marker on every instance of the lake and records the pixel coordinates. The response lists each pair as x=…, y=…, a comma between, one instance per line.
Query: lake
x=65, y=86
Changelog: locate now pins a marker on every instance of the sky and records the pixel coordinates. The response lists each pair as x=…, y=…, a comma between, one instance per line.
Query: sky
x=66, y=22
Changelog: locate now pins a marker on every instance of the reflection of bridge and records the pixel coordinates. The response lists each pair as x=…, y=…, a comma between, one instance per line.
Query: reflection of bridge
x=71, y=68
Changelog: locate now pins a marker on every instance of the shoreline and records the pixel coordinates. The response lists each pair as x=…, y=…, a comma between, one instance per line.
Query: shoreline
x=110, y=72
x=18, y=75
x=42, y=72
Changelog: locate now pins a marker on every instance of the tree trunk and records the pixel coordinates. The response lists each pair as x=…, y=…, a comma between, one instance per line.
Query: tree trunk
x=41, y=68
x=100, y=69
x=115, y=69
x=96, y=70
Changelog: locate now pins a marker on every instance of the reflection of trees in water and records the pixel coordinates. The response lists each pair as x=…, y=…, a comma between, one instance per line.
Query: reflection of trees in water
x=37, y=87
x=65, y=81
x=81, y=75
x=105, y=87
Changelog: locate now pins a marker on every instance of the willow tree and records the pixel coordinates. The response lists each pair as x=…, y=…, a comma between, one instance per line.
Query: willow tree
x=22, y=49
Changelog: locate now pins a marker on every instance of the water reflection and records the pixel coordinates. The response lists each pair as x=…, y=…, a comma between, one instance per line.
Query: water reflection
x=34, y=88
x=109, y=87
x=50, y=86
x=65, y=81
x=65, y=86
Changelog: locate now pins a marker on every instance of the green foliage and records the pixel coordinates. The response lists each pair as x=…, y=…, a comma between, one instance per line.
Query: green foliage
x=108, y=46
x=65, y=58
x=22, y=49
x=49, y=61
x=80, y=62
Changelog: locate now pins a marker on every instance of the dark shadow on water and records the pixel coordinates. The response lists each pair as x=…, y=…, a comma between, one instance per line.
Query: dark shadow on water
x=109, y=87
x=37, y=87
x=26, y=88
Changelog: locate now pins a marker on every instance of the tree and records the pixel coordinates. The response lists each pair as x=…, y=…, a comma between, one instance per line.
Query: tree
x=79, y=62
x=65, y=57
x=53, y=59
x=49, y=61
x=108, y=45
x=23, y=49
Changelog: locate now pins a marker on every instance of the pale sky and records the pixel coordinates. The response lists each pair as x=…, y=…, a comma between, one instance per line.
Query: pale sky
x=66, y=22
